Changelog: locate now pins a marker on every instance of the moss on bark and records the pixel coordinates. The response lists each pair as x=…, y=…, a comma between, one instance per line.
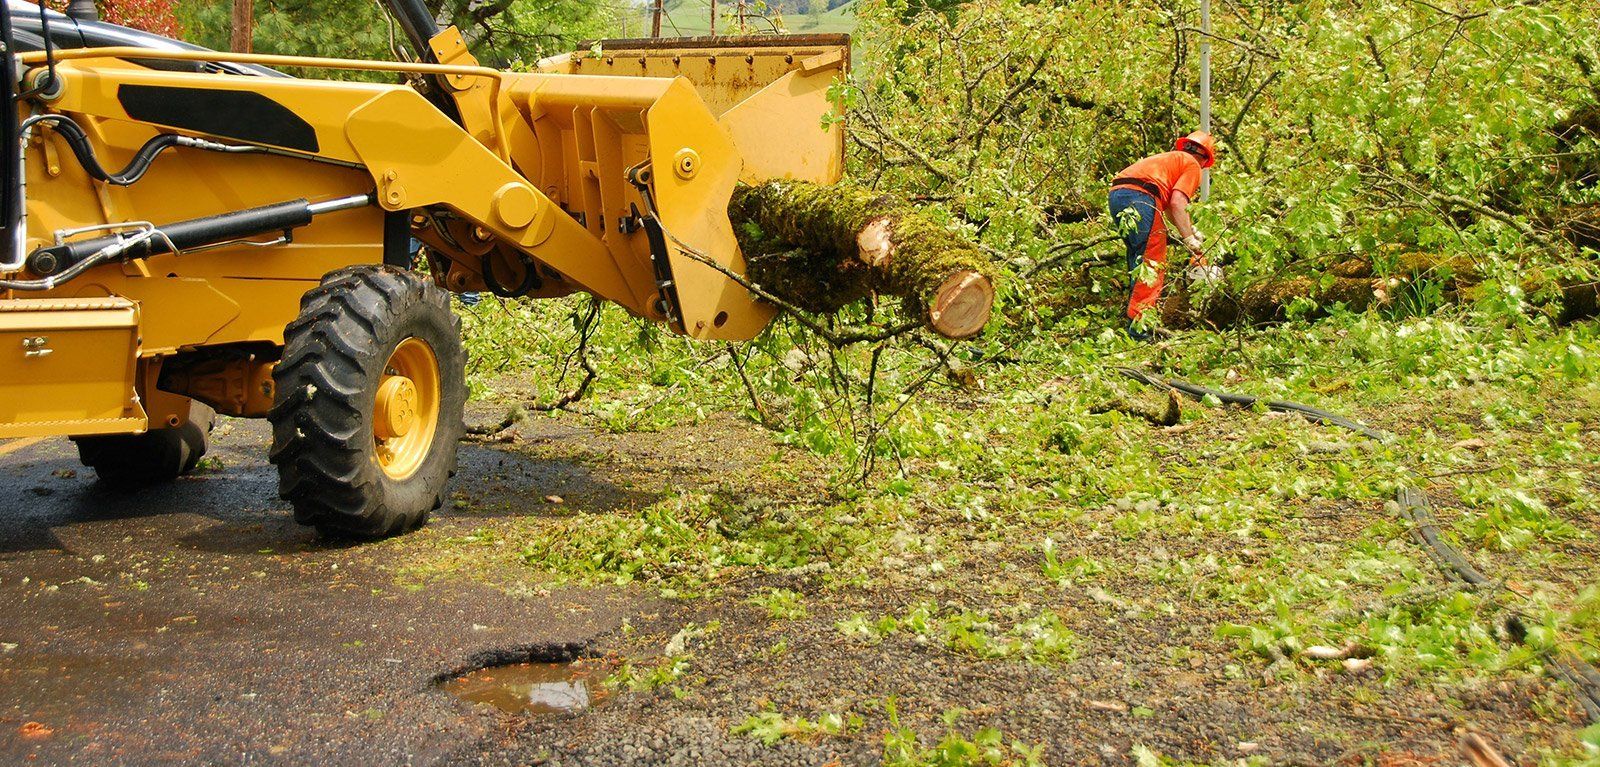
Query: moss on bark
x=806, y=243
x=1353, y=285
x=1267, y=301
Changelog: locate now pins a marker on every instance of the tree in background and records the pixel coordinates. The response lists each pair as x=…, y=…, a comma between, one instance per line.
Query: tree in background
x=157, y=16
x=501, y=32
x=1349, y=129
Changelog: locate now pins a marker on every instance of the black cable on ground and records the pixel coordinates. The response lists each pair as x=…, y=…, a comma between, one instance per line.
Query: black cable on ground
x=1584, y=679
x=1417, y=510
x=1245, y=400
x=1414, y=506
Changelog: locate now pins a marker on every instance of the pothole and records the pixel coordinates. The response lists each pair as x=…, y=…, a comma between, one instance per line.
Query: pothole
x=533, y=681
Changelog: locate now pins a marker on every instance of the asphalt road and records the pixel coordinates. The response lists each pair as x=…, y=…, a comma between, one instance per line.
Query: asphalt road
x=195, y=622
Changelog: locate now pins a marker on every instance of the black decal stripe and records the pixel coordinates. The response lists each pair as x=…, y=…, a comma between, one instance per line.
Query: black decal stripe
x=242, y=115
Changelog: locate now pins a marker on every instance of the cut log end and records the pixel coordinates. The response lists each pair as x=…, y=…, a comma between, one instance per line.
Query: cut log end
x=961, y=306
x=875, y=241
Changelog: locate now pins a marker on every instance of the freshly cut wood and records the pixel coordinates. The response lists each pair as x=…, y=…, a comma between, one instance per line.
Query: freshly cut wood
x=825, y=247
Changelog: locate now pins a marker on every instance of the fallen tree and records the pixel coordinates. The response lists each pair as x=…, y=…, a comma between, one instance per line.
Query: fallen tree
x=1356, y=284
x=822, y=248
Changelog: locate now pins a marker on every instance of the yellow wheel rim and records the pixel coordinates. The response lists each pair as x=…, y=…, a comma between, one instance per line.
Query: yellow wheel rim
x=405, y=412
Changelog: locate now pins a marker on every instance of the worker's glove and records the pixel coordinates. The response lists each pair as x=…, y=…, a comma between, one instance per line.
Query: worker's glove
x=1195, y=242
x=1209, y=275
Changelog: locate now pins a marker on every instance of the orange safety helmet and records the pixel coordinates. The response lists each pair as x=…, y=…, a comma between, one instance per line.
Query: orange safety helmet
x=1201, y=142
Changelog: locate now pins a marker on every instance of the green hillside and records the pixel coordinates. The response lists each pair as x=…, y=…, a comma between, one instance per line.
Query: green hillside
x=692, y=18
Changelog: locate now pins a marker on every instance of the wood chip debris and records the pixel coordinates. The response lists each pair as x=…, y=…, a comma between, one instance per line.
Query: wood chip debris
x=1480, y=753
x=1113, y=706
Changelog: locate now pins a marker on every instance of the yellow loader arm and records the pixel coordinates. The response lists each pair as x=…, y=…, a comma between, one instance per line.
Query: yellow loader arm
x=599, y=172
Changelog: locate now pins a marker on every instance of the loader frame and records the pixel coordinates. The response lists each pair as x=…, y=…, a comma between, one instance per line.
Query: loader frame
x=607, y=171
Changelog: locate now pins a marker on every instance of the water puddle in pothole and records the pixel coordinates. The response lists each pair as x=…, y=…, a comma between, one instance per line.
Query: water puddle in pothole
x=535, y=688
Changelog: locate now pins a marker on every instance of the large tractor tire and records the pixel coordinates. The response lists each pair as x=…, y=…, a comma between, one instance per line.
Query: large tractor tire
x=368, y=409
x=158, y=455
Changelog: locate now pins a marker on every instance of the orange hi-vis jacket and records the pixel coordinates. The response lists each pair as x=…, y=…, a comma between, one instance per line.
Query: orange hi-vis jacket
x=1164, y=172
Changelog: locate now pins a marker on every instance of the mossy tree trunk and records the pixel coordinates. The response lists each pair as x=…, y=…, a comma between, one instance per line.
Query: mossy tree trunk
x=1354, y=284
x=824, y=247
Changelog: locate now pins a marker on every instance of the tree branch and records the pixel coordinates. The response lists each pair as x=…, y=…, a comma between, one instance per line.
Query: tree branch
x=519, y=413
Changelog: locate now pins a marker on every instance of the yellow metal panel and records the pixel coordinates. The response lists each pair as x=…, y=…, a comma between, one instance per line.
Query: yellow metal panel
x=264, y=59
x=184, y=184
x=67, y=367
x=180, y=312
x=724, y=70
x=324, y=104
x=694, y=208
x=779, y=130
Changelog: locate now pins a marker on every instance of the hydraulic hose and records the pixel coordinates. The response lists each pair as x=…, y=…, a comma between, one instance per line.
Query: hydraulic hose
x=530, y=276
x=78, y=141
x=1417, y=510
x=54, y=280
x=60, y=263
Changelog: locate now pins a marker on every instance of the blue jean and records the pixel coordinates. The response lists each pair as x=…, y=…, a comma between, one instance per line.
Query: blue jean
x=1146, y=244
x=1139, y=238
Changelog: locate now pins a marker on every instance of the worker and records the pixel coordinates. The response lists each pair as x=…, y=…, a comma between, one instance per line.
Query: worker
x=1140, y=194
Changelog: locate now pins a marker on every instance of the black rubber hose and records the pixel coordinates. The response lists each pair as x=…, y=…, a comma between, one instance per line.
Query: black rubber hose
x=1414, y=506
x=1244, y=400
x=1584, y=679
x=11, y=201
x=530, y=277
x=78, y=141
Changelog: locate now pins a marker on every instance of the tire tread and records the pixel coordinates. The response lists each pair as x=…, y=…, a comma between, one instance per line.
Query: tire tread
x=319, y=417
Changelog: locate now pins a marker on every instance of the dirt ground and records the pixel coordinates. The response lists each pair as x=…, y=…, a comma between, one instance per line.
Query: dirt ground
x=197, y=623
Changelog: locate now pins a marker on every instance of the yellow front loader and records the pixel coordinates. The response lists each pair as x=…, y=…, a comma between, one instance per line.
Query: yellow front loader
x=187, y=233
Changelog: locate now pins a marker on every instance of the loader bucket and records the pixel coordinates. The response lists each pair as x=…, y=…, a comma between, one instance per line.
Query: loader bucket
x=770, y=93
x=700, y=116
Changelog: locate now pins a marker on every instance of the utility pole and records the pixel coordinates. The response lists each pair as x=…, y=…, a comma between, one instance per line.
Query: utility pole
x=240, y=41
x=1205, y=87
x=713, y=18
x=655, y=19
